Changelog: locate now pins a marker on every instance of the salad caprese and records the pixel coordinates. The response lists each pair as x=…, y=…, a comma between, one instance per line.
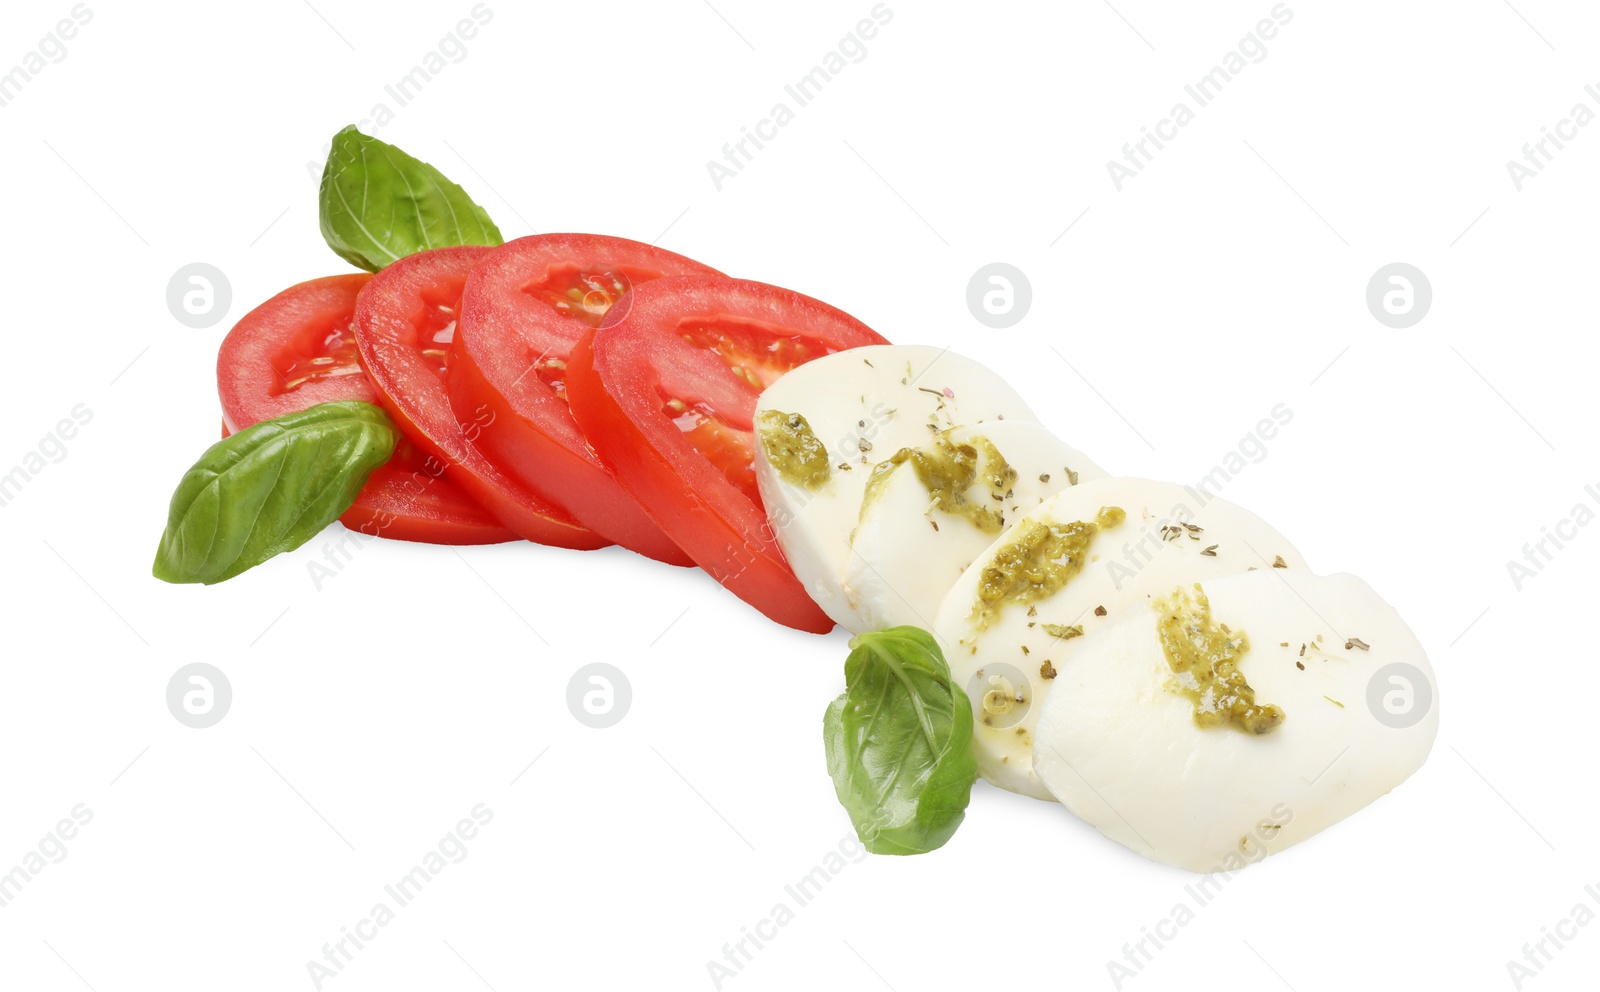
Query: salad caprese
x=1167, y=667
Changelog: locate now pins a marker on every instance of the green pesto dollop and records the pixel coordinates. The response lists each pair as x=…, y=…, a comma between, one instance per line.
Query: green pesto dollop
x=1037, y=562
x=1204, y=658
x=947, y=470
x=801, y=460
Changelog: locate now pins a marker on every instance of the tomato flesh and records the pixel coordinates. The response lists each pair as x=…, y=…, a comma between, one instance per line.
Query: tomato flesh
x=297, y=350
x=405, y=321
x=665, y=389
x=317, y=354
x=524, y=306
x=715, y=415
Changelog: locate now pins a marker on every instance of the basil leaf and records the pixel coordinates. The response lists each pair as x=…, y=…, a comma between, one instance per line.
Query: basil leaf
x=899, y=743
x=269, y=489
x=378, y=204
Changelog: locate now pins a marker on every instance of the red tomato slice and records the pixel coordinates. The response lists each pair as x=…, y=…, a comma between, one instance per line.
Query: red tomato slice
x=297, y=350
x=524, y=306
x=405, y=320
x=665, y=389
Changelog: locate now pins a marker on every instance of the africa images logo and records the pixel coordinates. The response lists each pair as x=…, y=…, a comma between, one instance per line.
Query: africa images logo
x=51, y=50
x=1252, y=49
x=852, y=48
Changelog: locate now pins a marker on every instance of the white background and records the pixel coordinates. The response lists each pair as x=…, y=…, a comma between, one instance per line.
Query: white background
x=372, y=714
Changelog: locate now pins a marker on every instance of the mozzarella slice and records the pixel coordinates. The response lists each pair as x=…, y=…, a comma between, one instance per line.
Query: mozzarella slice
x=1120, y=746
x=1170, y=535
x=863, y=405
x=910, y=545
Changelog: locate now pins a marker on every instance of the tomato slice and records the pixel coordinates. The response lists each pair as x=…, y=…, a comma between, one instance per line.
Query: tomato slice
x=665, y=390
x=524, y=306
x=405, y=320
x=297, y=350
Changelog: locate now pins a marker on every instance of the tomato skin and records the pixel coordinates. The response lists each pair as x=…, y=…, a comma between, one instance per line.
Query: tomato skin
x=409, y=499
x=401, y=318
x=405, y=499
x=615, y=380
x=514, y=332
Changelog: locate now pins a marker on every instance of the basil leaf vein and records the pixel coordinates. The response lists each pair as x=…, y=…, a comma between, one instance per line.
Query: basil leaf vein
x=899, y=743
x=269, y=489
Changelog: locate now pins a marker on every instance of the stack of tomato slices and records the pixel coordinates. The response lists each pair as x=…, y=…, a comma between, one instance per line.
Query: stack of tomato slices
x=569, y=389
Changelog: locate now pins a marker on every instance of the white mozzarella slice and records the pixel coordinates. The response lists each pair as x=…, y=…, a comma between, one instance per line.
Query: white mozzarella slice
x=1119, y=745
x=1170, y=535
x=909, y=547
x=864, y=405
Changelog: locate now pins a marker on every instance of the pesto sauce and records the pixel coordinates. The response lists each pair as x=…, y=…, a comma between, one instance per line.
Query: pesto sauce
x=791, y=447
x=1204, y=658
x=1037, y=562
x=947, y=470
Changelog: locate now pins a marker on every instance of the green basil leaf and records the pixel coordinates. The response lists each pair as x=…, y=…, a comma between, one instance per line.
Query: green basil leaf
x=378, y=204
x=269, y=489
x=899, y=743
